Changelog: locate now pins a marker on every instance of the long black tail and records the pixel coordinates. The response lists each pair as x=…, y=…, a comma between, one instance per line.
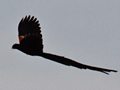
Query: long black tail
x=69, y=62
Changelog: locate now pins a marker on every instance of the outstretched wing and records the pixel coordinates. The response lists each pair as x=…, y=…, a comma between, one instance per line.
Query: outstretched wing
x=28, y=25
x=70, y=62
x=30, y=36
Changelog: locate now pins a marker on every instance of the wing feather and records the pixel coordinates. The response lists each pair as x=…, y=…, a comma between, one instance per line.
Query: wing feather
x=29, y=25
x=30, y=35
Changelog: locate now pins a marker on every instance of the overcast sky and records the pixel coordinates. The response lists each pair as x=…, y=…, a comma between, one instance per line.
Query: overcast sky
x=87, y=31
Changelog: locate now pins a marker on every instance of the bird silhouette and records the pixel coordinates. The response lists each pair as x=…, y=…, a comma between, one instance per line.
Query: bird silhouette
x=31, y=43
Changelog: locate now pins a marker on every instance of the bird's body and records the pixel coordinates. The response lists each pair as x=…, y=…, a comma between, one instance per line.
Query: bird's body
x=31, y=43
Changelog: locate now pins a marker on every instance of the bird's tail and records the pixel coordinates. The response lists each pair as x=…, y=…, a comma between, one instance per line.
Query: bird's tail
x=69, y=62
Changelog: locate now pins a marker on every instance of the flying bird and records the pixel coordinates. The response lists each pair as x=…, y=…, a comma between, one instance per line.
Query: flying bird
x=31, y=43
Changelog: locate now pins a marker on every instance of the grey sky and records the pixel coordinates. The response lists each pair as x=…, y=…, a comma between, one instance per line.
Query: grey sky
x=85, y=31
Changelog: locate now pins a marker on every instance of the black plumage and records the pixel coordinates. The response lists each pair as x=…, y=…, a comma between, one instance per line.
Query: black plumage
x=31, y=43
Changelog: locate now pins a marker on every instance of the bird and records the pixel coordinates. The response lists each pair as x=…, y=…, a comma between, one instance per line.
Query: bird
x=31, y=43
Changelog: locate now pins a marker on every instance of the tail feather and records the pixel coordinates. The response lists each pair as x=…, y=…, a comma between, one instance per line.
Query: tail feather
x=69, y=62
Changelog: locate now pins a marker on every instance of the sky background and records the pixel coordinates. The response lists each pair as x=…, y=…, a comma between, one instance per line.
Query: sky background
x=87, y=31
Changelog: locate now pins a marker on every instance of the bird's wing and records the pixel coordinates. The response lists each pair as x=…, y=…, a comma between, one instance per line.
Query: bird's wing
x=28, y=25
x=30, y=36
x=70, y=62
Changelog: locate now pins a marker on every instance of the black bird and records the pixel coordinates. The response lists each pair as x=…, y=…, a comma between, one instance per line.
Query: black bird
x=31, y=43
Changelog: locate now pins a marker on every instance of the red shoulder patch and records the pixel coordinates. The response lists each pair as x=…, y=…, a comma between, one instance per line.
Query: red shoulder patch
x=21, y=38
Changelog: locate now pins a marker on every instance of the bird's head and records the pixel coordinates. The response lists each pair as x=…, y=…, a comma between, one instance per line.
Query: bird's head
x=15, y=46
